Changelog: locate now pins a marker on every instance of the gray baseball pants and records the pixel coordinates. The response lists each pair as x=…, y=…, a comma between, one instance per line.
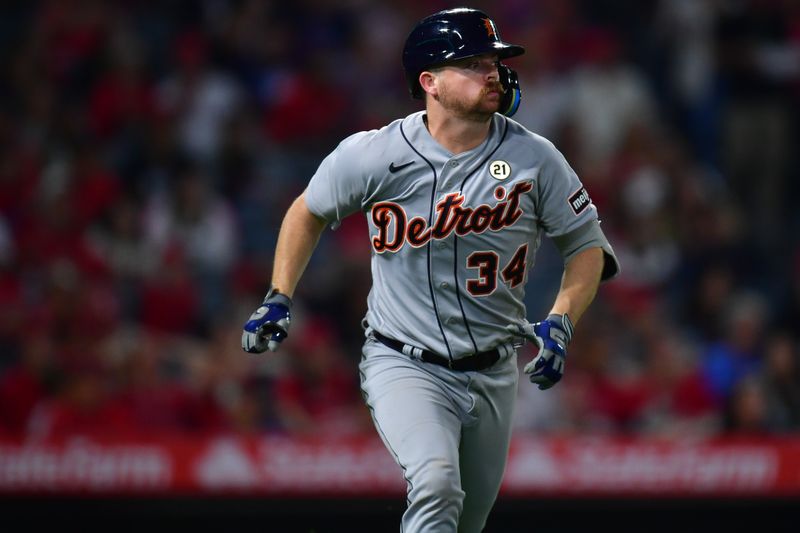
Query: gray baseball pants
x=448, y=430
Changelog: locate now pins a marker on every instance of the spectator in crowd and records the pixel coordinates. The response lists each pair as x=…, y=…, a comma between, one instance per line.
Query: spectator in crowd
x=197, y=98
x=318, y=393
x=758, y=55
x=27, y=383
x=153, y=386
x=788, y=297
x=193, y=217
x=780, y=381
x=680, y=402
x=118, y=237
x=170, y=299
x=746, y=409
x=11, y=298
x=609, y=98
x=739, y=354
x=83, y=402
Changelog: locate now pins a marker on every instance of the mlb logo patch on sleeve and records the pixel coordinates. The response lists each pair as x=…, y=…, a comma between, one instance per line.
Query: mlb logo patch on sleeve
x=579, y=201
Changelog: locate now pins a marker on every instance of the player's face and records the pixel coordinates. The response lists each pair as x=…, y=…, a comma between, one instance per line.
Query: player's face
x=470, y=88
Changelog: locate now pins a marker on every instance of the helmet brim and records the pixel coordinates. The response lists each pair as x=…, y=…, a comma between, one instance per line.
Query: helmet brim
x=503, y=51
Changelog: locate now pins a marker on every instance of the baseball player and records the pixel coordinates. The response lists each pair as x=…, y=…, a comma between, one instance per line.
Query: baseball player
x=457, y=198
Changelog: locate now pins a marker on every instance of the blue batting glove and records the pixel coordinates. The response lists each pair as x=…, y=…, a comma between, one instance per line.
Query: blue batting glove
x=268, y=326
x=552, y=335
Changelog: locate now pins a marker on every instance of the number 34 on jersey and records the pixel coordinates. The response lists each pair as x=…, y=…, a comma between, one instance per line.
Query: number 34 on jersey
x=451, y=216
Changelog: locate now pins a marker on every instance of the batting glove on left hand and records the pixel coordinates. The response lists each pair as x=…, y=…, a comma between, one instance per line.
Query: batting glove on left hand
x=552, y=335
x=268, y=326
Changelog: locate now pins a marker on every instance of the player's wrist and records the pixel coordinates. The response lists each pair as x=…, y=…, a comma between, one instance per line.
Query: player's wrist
x=563, y=322
x=274, y=296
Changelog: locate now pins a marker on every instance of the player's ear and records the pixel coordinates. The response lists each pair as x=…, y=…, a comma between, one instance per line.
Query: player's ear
x=429, y=82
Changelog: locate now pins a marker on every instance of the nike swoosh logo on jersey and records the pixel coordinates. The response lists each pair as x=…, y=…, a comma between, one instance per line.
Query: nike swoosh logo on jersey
x=393, y=168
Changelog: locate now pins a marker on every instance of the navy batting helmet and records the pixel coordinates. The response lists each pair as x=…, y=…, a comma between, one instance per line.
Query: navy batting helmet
x=455, y=34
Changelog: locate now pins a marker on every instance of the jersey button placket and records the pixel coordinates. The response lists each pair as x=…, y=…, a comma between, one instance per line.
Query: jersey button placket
x=442, y=258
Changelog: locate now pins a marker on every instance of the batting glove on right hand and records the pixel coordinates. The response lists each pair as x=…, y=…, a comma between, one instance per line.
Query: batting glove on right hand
x=552, y=335
x=268, y=326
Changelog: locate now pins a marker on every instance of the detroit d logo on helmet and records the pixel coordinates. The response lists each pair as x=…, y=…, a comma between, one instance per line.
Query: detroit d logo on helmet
x=489, y=27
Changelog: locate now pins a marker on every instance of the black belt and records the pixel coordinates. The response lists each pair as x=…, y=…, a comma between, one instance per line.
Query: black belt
x=478, y=361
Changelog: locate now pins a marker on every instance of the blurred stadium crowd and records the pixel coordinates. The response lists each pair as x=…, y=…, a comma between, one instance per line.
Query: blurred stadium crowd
x=148, y=151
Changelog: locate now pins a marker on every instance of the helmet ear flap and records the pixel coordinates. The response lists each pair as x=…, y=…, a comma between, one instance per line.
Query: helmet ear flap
x=512, y=96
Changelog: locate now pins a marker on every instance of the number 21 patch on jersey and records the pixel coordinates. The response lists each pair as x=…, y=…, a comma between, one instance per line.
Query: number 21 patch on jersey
x=579, y=201
x=499, y=169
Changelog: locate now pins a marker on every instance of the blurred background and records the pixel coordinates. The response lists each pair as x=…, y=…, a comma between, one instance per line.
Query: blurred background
x=148, y=151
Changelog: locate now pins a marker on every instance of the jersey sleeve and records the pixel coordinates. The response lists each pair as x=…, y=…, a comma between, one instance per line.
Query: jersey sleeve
x=563, y=202
x=338, y=187
x=567, y=214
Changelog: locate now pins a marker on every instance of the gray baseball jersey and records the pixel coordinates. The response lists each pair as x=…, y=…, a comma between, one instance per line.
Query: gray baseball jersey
x=454, y=236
